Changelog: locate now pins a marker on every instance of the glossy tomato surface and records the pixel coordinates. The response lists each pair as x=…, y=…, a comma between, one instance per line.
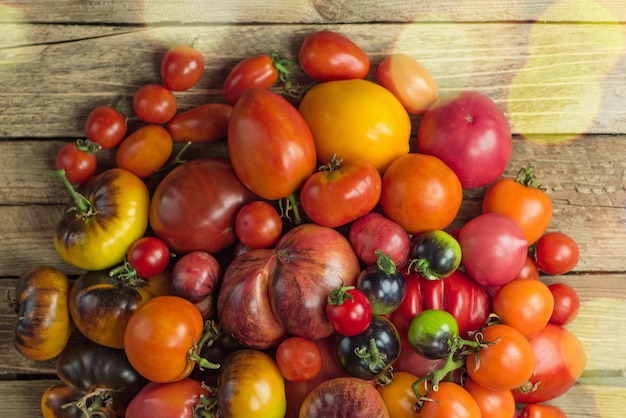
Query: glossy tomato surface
x=182, y=67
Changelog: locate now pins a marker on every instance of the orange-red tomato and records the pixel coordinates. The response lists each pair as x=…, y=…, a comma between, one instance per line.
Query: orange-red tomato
x=526, y=305
x=522, y=200
x=507, y=361
x=542, y=411
x=145, y=151
x=298, y=359
x=449, y=401
x=161, y=337
x=420, y=193
x=258, y=225
x=254, y=71
x=409, y=81
x=182, y=67
x=154, y=103
x=492, y=403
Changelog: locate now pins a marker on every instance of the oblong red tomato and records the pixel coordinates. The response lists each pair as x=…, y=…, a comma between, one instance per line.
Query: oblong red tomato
x=204, y=123
x=254, y=71
x=145, y=150
x=326, y=55
x=342, y=193
x=270, y=145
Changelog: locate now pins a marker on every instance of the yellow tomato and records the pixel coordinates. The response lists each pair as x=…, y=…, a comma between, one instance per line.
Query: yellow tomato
x=357, y=120
x=251, y=385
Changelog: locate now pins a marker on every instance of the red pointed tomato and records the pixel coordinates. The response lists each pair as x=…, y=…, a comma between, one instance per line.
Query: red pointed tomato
x=339, y=193
x=270, y=145
x=409, y=81
x=181, y=67
x=326, y=55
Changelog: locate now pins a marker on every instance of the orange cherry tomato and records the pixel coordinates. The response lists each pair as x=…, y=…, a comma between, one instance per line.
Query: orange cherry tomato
x=399, y=396
x=449, y=401
x=145, y=151
x=492, y=403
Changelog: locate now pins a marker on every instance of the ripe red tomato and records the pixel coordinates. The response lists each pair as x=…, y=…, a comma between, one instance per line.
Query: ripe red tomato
x=298, y=359
x=181, y=67
x=566, y=303
x=542, y=411
x=492, y=403
x=505, y=363
x=172, y=399
x=373, y=231
x=449, y=401
x=523, y=200
x=556, y=253
x=270, y=145
x=204, y=123
x=105, y=126
x=154, y=103
x=409, y=81
x=526, y=305
x=349, y=311
x=161, y=337
x=560, y=361
x=470, y=133
x=529, y=270
x=420, y=192
x=144, y=151
x=339, y=193
x=260, y=71
x=258, y=225
x=149, y=256
x=326, y=55
x=494, y=249
x=79, y=165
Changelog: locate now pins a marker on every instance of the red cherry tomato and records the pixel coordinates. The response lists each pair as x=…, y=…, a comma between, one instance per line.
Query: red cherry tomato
x=409, y=81
x=154, y=103
x=542, y=411
x=144, y=151
x=566, y=304
x=529, y=270
x=181, y=68
x=556, y=253
x=338, y=194
x=105, y=126
x=298, y=359
x=349, y=311
x=258, y=225
x=149, y=256
x=79, y=165
x=326, y=55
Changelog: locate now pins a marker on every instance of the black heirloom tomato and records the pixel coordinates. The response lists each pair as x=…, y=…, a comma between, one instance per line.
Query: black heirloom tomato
x=370, y=354
x=106, y=215
x=383, y=284
x=435, y=254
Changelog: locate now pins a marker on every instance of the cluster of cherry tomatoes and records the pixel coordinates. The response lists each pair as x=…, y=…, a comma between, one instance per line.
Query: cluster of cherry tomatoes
x=313, y=272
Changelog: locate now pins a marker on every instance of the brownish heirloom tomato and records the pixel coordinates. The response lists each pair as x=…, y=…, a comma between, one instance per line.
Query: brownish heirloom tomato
x=106, y=215
x=203, y=123
x=270, y=145
x=43, y=322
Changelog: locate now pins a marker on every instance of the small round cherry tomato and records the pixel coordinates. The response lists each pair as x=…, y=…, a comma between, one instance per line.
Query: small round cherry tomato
x=409, y=81
x=529, y=270
x=556, y=253
x=105, y=126
x=298, y=359
x=399, y=396
x=149, y=256
x=349, y=311
x=326, y=55
x=542, y=411
x=258, y=225
x=526, y=305
x=181, y=67
x=79, y=165
x=566, y=304
x=154, y=103
x=144, y=151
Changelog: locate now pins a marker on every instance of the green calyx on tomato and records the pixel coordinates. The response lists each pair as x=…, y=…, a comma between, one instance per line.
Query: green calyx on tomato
x=526, y=177
x=435, y=254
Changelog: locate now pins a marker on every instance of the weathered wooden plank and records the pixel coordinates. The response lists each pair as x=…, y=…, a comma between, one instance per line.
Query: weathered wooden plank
x=314, y=11
x=548, y=78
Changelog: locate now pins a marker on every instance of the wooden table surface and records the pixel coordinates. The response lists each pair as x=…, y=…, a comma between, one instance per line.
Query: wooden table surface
x=557, y=69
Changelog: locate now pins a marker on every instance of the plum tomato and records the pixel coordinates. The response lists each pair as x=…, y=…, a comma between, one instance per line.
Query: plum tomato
x=349, y=310
x=374, y=231
x=420, y=192
x=154, y=103
x=435, y=254
x=149, y=256
x=356, y=120
x=383, y=285
x=556, y=253
x=145, y=150
x=258, y=225
x=105, y=126
x=337, y=193
x=526, y=305
x=432, y=332
x=327, y=55
x=494, y=249
x=505, y=360
x=566, y=303
x=78, y=163
x=470, y=133
x=203, y=123
x=409, y=81
x=298, y=359
x=181, y=67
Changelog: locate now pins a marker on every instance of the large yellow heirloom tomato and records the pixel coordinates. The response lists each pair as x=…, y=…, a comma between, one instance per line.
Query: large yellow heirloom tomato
x=358, y=120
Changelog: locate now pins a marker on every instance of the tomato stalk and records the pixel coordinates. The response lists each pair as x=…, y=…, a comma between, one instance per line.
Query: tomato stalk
x=88, y=146
x=373, y=357
x=209, y=336
x=340, y=295
x=127, y=274
x=385, y=263
x=83, y=205
x=526, y=177
x=177, y=160
x=284, y=67
x=290, y=204
x=92, y=403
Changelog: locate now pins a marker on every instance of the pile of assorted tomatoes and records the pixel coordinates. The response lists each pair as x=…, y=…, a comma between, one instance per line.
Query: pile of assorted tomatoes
x=312, y=269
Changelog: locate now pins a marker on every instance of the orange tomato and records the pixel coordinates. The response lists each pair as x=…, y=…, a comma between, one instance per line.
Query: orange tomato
x=449, y=401
x=145, y=151
x=492, y=403
x=399, y=396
